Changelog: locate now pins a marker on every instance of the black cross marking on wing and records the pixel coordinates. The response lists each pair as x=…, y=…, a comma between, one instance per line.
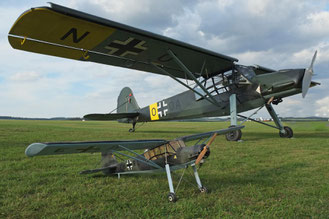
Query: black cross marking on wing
x=122, y=48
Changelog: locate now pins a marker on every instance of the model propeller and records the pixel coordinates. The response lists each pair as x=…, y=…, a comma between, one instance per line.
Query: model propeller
x=205, y=149
x=308, y=77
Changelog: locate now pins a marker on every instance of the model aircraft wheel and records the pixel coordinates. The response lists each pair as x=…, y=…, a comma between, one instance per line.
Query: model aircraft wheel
x=131, y=130
x=234, y=135
x=203, y=189
x=288, y=132
x=172, y=197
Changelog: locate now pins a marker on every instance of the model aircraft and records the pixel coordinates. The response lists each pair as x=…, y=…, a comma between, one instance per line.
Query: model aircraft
x=221, y=86
x=159, y=155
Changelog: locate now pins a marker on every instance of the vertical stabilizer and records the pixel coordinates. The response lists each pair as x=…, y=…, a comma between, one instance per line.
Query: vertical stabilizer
x=127, y=102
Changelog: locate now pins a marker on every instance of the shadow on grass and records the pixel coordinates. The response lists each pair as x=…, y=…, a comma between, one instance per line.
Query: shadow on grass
x=264, y=177
x=312, y=135
x=185, y=132
x=258, y=136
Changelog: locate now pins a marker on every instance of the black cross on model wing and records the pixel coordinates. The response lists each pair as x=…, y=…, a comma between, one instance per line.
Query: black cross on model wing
x=131, y=46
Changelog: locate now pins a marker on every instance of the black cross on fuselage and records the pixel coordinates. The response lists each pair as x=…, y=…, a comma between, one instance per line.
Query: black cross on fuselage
x=129, y=165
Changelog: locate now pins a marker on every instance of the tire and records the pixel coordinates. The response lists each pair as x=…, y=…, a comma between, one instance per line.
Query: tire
x=131, y=130
x=234, y=135
x=288, y=132
x=172, y=197
x=203, y=189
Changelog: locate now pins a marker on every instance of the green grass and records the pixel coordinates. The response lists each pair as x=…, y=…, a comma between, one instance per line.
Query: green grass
x=263, y=176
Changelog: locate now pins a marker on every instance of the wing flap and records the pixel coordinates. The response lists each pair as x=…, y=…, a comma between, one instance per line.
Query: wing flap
x=110, y=116
x=54, y=148
x=108, y=42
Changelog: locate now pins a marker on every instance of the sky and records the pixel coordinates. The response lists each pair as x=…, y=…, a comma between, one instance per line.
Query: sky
x=278, y=34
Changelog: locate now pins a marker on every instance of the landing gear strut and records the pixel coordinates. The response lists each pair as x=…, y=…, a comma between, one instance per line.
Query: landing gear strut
x=285, y=131
x=237, y=134
x=133, y=128
x=172, y=195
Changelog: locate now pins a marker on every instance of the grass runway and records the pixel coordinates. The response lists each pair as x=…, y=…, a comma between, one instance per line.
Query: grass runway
x=262, y=176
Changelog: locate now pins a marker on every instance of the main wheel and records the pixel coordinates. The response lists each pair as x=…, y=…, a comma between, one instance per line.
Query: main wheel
x=172, y=197
x=203, y=189
x=288, y=132
x=131, y=130
x=233, y=135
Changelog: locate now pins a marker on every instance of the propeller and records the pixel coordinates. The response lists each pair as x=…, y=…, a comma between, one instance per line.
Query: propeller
x=204, y=150
x=308, y=76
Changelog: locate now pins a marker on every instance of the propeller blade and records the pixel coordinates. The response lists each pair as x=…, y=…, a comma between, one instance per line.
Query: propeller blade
x=204, y=150
x=307, y=79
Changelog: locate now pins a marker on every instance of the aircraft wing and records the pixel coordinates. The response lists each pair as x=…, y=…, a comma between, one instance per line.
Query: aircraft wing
x=208, y=134
x=64, y=32
x=37, y=149
x=109, y=116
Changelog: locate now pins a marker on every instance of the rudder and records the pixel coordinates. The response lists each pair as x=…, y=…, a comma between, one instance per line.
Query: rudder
x=127, y=102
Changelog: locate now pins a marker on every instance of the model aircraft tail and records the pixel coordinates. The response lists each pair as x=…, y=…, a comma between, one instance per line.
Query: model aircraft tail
x=127, y=109
x=126, y=101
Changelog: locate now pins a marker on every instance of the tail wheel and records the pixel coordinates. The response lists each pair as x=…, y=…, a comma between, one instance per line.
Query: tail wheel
x=288, y=132
x=234, y=135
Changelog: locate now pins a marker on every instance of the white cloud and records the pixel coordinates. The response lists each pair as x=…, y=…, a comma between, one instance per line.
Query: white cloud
x=276, y=34
x=322, y=107
x=26, y=76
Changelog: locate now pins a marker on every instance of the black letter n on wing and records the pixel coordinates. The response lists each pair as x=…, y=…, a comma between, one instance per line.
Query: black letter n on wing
x=74, y=33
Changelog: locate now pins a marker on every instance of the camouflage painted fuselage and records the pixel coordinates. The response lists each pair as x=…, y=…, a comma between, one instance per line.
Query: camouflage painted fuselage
x=176, y=159
x=185, y=105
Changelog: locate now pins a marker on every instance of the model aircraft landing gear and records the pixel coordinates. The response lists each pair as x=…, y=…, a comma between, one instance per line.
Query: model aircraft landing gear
x=288, y=132
x=203, y=189
x=237, y=134
x=285, y=131
x=172, y=197
x=234, y=135
x=133, y=128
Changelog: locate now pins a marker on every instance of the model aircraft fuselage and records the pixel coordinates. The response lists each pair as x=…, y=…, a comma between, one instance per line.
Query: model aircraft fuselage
x=188, y=105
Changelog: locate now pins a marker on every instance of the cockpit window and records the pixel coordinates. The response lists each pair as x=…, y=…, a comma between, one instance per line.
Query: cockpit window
x=215, y=85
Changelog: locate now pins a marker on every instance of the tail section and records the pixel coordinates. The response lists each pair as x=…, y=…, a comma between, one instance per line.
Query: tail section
x=127, y=102
x=127, y=110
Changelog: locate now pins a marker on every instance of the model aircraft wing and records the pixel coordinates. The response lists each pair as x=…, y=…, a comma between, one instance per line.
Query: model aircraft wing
x=64, y=32
x=109, y=116
x=54, y=148
x=209, y=134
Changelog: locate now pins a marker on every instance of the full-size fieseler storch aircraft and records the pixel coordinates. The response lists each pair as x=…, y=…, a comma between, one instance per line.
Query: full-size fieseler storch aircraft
x=221, y=86
x=159, y=156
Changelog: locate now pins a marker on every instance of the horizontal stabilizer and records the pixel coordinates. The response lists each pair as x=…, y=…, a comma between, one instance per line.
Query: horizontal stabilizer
x=110, y=116
x=88, y=147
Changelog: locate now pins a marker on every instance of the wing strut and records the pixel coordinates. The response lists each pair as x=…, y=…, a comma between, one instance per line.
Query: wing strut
x=188, y=87
x=189, y=73
x=185, y=69
x=142, y=159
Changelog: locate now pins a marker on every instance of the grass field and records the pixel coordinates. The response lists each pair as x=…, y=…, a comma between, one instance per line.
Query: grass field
x=262, y=176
